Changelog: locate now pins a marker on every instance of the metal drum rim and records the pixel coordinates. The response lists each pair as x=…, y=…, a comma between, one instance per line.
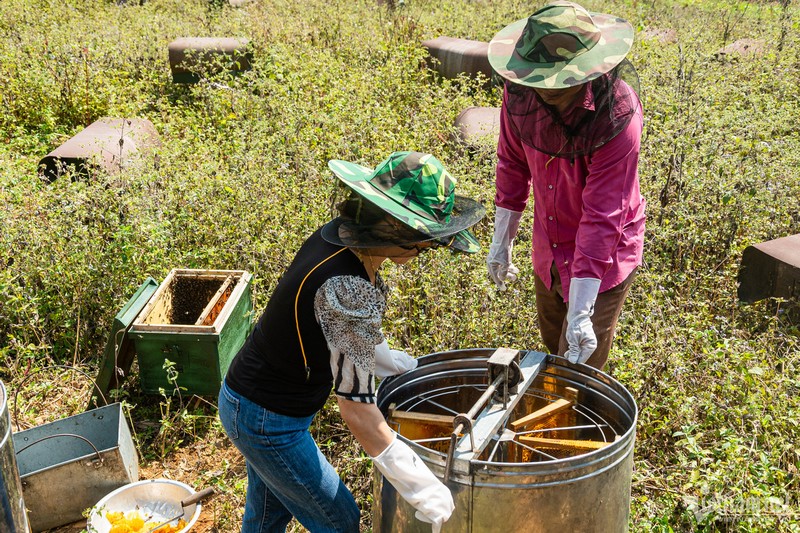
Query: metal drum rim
x=5, y=417
x=612, y=454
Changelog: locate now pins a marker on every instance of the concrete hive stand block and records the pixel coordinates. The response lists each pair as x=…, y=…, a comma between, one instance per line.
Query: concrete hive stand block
x=108, y=144
x=456, y=56
x=741, y=49
x=475, y=124
x=190, y=57
x=771, y=269
x=662, y=35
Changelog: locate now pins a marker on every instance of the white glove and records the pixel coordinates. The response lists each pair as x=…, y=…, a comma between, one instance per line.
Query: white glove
x=414, y=481
x=580, y=334
x=501, y=269
x=392, y=362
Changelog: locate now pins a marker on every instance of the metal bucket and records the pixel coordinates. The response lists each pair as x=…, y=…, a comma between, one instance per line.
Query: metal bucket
x=510, y=485
x=12, y=507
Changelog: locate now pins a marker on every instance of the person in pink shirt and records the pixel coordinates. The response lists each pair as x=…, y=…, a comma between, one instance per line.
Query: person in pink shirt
x=570, y=130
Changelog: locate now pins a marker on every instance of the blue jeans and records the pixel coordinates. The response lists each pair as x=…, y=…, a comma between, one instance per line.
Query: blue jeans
x=287, y=475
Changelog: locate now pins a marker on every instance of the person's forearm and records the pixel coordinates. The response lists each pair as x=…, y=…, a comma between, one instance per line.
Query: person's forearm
x=367, y=425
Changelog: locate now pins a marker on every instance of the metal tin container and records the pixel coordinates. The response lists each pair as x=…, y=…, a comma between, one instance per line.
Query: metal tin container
x=509, y=484
x=12, y=506
x=66, y=466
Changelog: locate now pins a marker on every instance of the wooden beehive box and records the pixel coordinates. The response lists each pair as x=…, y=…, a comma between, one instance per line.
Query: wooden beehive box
x=197, y=320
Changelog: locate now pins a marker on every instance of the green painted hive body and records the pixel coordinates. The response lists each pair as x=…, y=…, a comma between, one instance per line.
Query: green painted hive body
x=197, y=320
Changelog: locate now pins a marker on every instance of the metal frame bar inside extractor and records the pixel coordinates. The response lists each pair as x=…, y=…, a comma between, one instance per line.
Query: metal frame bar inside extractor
x=478, y=434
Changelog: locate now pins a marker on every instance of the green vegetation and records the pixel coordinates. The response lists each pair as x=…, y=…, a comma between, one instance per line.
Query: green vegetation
x=241, y=179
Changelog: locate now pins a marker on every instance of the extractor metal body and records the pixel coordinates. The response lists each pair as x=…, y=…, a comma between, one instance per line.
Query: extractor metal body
x=498, y=481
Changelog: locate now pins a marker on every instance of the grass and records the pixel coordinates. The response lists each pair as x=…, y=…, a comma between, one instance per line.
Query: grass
x=241, y=178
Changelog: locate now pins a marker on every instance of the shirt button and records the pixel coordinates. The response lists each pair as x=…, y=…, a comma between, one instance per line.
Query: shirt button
x=555, y=245
x=549, y=186
x=550, y=218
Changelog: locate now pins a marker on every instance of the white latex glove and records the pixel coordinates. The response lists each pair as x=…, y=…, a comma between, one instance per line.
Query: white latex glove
x=580, y=334
x=392, y=362
x=414, y=481
x=501, y=269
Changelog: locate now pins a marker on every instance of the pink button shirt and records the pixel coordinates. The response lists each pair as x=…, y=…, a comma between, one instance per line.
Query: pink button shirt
x=588, y=213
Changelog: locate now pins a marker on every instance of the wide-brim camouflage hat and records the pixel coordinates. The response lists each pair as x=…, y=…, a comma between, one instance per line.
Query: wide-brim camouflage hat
x=417, y=190
x=560, y=46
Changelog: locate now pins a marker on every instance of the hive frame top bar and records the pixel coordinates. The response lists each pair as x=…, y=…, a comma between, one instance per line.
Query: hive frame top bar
x=240, y=279
x=493, y=416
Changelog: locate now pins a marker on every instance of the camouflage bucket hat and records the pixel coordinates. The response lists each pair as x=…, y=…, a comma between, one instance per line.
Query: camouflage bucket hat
x=415, y=189
x=560, y=46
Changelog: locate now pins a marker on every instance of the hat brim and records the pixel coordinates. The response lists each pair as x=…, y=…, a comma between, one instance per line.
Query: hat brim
x=466, y=211
x=463, y=241
x=615, y=43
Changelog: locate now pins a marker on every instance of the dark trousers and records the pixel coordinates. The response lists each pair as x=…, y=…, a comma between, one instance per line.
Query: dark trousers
x=552, y=312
